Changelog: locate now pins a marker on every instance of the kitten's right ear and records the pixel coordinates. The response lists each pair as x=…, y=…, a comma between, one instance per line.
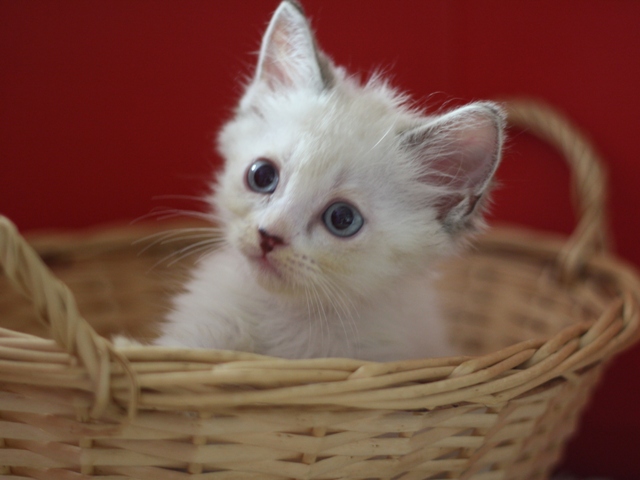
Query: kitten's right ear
x=288, y=56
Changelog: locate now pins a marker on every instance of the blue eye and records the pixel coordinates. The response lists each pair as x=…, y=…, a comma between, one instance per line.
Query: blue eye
x=262, y=176
x=342, y=219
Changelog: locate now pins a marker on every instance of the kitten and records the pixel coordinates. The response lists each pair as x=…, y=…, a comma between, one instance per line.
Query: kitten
x=335, y=201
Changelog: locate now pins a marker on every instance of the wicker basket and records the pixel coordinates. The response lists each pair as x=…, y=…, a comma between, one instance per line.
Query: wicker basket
x=543, y=313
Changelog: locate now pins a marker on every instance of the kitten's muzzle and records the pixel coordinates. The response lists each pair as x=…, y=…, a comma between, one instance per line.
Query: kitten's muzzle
x=268, y=242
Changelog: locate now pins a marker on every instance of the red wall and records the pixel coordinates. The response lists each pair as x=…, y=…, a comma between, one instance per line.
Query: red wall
x=106, y=106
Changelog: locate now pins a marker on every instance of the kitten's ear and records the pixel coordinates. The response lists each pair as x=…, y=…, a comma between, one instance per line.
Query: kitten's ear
x=458, y=153
x=288, y=55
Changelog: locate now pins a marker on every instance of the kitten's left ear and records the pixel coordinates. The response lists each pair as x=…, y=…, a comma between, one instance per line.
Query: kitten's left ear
x=458, y=154
x=288, y=55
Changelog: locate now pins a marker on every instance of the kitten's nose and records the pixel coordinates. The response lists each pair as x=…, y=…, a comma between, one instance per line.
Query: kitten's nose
x=268, y=242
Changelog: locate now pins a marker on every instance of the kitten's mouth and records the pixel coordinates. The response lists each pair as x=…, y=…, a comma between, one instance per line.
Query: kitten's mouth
x=265, y=265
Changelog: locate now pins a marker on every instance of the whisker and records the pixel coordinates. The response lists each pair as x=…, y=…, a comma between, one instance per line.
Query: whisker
x=323, y=319
x=181, y=254
x=383, y=136
x=209, y=241
x=346, y=301
x=339, y=305
x=327, y=294
x=177, y=235
x=195, y=198
x=311, y=322
x=345, y=298
x=194, y=236
x=203, y=250
x=186, y=213
x=167, y=213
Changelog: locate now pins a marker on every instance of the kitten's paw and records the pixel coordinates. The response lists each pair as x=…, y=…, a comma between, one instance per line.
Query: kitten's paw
x=120, y=341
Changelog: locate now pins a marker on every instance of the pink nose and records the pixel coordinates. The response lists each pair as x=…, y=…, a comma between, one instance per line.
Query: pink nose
x=268, y=242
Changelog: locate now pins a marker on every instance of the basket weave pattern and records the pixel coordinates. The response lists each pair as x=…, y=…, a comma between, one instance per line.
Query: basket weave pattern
x=542, y=313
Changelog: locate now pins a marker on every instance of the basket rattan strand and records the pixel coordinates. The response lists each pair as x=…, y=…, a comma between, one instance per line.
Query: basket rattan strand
x=542, y=312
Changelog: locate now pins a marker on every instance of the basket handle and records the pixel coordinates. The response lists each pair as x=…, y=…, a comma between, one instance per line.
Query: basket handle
x=588, y=179
x=56, y=307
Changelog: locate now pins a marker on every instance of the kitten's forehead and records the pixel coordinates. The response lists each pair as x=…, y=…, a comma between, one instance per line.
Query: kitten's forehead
x=338, y=135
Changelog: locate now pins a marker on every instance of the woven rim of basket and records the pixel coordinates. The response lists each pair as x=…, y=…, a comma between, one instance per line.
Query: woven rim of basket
x=118, y=376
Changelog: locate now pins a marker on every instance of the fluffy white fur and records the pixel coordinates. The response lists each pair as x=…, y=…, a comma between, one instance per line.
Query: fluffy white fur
x=418, y=180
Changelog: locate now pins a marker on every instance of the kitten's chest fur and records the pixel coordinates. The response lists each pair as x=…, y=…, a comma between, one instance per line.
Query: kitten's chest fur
x=401, y=321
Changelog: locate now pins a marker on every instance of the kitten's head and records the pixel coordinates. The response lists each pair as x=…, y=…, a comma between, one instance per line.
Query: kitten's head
x=330, y=185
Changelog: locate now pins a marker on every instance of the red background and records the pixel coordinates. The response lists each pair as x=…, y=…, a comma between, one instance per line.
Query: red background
x=107, y=106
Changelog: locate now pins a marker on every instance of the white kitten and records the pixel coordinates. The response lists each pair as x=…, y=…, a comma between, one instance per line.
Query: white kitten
x=335, y=200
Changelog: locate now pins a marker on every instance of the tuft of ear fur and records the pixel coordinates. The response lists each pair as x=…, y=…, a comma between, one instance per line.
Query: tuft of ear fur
x=457, y=154
x=288, y=57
